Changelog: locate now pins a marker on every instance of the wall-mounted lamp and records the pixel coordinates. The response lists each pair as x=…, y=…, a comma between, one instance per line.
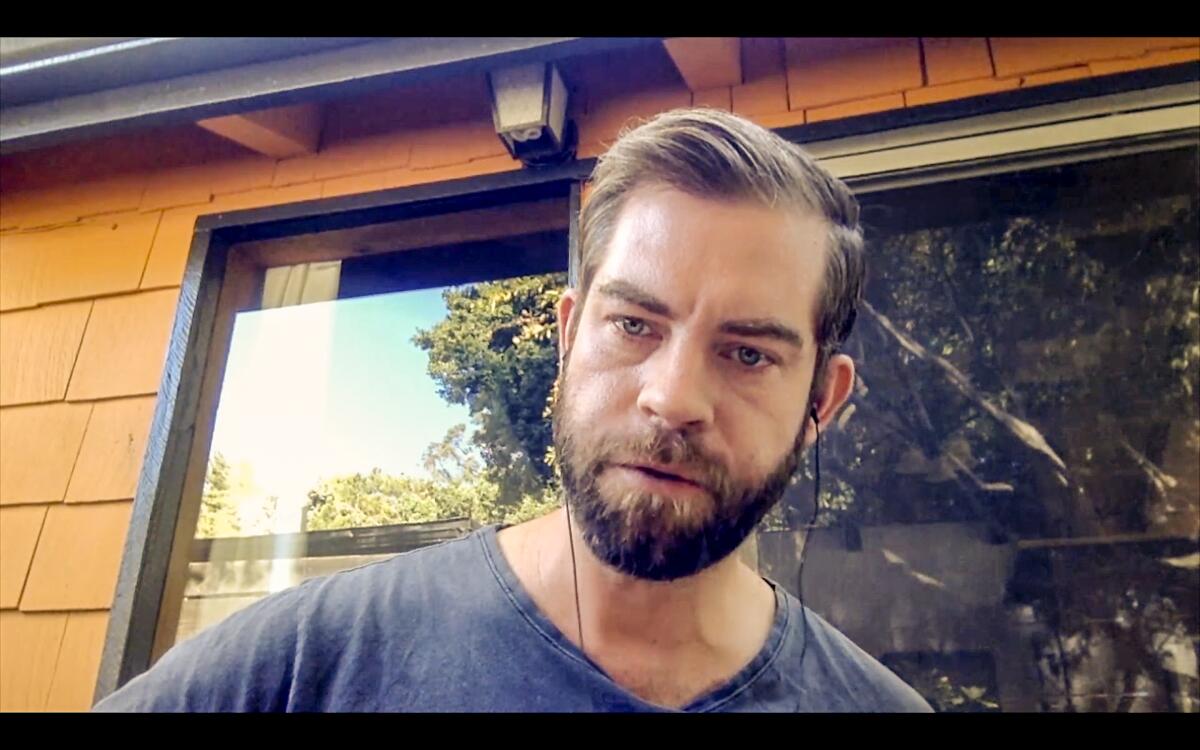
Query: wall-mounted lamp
x=529, y=111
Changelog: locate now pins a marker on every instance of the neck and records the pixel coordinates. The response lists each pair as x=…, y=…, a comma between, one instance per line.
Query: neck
x=724, y=609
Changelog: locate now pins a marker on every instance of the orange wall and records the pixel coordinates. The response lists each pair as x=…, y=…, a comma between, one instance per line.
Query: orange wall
x=93, y=239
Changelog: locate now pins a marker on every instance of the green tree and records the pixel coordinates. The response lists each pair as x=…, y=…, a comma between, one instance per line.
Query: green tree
x=451, y=457
x=379, y=499
x=1033, y=367
x=495, y=353
x=232, y=504
x=995, y=356
x=218, y=512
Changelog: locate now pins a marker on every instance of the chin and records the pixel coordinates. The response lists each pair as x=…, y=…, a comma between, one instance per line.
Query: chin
x=659, y=538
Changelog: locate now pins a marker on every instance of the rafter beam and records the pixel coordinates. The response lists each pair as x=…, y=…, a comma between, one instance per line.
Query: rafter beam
x=706, y=62
x=279, y=132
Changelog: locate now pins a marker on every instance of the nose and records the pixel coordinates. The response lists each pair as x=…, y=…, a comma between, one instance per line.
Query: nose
x=675, y=390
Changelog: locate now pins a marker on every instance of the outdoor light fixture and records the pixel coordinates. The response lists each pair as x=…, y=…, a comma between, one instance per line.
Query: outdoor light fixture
x=529, y=111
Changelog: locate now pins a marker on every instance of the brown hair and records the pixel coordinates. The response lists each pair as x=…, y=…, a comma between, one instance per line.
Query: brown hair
x=709, y=153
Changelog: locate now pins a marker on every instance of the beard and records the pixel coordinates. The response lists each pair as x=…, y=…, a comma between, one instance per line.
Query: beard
x=649, y=535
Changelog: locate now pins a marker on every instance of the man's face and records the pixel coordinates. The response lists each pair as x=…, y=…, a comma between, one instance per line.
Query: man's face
x=685, y=387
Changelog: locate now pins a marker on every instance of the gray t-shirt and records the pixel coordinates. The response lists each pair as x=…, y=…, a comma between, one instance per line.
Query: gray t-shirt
x=450, y=628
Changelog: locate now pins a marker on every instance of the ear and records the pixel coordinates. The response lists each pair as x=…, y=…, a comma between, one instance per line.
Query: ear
x=567, y=306
x=838, y=385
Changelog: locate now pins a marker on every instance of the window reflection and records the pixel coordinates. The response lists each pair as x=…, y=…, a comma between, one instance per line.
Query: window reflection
x=1017, y=471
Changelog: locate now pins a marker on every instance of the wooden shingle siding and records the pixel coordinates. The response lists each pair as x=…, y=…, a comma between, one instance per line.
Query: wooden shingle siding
x=68, y=202
x=20, y=527
x=720, y=97
x=78, y=663
x=763, y=90
x=75, y=565
x=197, y=184
x=38, y=447
x=49, y=661
x=82, y=261
x=1151, y=59
x=124, y=347
x=855, y=108
x=951, y=59
x=29, y=648
x=819, y=79
x=111, y=455
x=38, y=348
x=1017, y=56
x=168, y=254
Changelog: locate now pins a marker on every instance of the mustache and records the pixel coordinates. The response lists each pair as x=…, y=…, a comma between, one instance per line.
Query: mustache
x=670, y=449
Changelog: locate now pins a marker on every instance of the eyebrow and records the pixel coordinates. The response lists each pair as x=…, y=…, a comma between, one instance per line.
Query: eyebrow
x=757, y=327
x=627, y=292
x=764, y=328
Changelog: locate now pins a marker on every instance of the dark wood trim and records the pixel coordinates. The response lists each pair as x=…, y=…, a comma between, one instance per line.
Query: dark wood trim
x=345, y=212
x=451, y=265
x=241, y=289
x=864, y=185
x=987, y=104
x=1012, y=193
x=477, y=225
x=151, y=531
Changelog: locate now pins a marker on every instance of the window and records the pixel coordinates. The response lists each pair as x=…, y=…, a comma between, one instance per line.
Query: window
x=359, y=427
x=1016, y=472
x=952, y=683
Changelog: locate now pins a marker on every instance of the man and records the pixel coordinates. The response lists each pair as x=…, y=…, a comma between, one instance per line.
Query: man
x=720, y=271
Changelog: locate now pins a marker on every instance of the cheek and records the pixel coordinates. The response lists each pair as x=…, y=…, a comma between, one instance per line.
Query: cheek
x=604, y=350
x=600, y=351
x=596, y=381
x=760, y=431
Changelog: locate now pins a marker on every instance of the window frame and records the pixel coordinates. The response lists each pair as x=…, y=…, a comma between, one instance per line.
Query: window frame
x=223, y=276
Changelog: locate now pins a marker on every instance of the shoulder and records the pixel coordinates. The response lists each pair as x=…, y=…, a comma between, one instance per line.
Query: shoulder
x=240, y=664
x=247, y=662
x=845, y=676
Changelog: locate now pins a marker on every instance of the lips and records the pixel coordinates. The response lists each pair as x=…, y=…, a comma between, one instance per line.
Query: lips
x=662, y=472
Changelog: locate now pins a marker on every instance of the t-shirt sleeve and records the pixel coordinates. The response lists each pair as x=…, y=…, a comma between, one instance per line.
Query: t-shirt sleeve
x=896, y=695
x=245, y=663
x=863, y=682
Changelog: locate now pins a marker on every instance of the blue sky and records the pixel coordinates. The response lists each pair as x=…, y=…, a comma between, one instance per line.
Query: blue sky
x=332, y=387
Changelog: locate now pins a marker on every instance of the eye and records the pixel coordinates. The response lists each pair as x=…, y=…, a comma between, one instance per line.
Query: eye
x=750, y=357
x=633, y=326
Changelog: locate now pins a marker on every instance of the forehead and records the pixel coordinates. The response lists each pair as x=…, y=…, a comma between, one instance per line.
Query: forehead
x=735, y=259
